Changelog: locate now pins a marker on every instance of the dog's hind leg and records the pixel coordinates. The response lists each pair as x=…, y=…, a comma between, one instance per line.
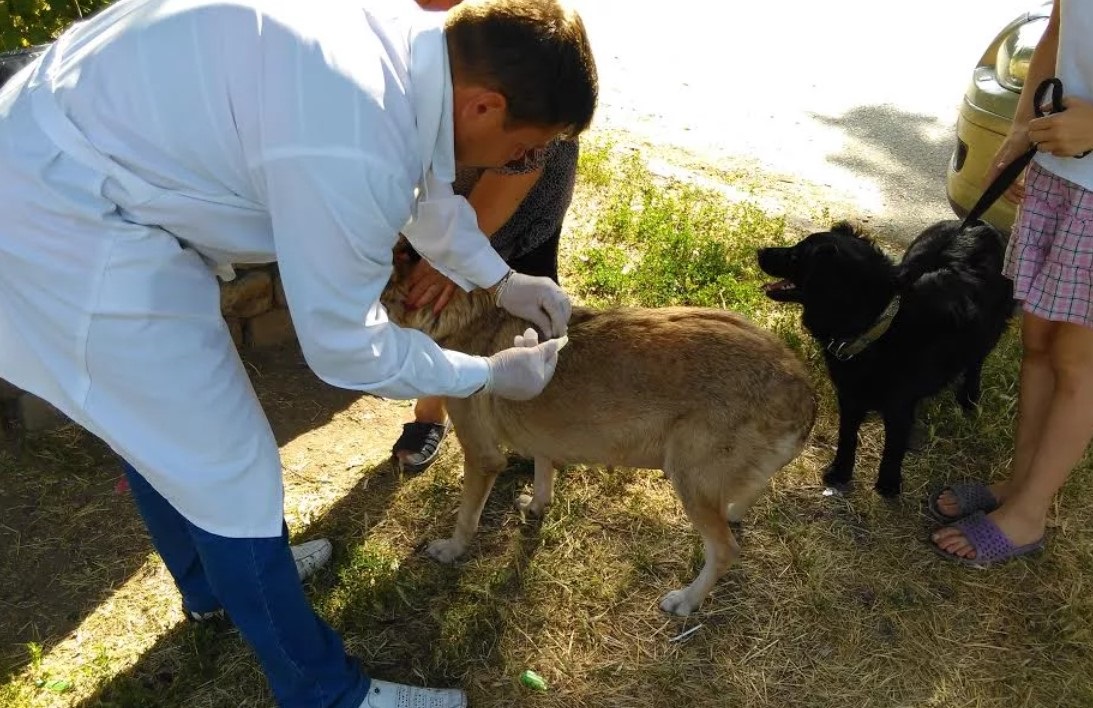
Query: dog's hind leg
x=721, y=548
x=479, y=473
x=543, y=495
x=898, y=419
x=768, y=462
x=744, y=497
x=970, y=388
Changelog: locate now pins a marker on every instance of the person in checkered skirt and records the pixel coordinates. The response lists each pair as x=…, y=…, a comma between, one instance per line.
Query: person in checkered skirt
x=1050, y=260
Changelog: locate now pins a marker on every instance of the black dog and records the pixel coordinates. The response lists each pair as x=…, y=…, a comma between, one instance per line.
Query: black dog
x=895, y=334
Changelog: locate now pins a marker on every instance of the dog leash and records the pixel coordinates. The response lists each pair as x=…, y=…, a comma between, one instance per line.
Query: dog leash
x=846, y=349
x=1008, y=175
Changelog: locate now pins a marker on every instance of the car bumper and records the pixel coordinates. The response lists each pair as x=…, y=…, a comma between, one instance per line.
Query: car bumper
x=979, y=134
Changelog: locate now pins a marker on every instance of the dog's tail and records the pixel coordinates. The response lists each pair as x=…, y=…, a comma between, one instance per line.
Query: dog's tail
x=962, y=273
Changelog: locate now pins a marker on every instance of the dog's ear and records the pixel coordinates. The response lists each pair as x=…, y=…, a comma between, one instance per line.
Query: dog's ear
x=844, y=228
x=404, y=258
x=849, y=228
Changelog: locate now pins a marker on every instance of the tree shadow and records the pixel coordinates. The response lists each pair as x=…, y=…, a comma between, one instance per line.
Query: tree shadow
x=905, y=155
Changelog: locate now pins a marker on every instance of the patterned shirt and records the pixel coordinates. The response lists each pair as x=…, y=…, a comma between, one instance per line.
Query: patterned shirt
x=539, y=217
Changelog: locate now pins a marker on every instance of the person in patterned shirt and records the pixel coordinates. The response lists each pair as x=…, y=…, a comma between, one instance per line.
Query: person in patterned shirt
x=521, y=207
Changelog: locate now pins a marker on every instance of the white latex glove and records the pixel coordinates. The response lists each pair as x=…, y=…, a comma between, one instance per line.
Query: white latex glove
x=536, y=299
x=530, y=338
x=522, y=372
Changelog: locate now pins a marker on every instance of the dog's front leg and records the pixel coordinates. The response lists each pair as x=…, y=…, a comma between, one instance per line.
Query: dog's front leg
x=898, y=420
x=543, y=495
x=851, y=415
x=478, y=479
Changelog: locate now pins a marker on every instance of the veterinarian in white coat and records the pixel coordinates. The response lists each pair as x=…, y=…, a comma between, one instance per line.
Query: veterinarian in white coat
x=162, y=141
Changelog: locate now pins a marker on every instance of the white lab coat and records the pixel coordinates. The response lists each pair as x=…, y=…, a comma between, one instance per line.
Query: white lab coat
x=164, y=140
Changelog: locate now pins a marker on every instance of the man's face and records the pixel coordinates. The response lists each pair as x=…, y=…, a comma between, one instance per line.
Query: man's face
x=484, y=139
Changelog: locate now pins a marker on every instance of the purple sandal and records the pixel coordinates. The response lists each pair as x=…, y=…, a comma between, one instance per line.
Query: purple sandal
x=990, y=544
x=971, y=497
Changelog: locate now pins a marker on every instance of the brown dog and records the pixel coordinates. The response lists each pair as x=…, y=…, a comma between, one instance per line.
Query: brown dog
x=712, y=400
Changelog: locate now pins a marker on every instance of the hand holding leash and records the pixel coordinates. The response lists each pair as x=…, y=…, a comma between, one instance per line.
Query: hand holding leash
x=1066, y=131
x=1006, y=169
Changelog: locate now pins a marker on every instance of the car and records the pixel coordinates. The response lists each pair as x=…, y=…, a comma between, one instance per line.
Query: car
x=987, y=110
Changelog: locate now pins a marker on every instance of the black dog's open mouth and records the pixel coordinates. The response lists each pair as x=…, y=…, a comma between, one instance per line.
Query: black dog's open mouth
x=782, y=290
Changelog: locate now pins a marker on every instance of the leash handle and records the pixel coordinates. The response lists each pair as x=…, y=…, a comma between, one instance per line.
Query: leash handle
x=1056, y=87
x=1007, y=176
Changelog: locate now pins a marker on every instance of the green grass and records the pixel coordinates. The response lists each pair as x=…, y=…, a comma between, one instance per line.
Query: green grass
x=27, y=22
x=834, y=601
x=659, y=243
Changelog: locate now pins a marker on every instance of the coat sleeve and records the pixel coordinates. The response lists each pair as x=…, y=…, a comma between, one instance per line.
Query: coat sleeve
x=336, y=163
x=444, y=230
x=333, y=233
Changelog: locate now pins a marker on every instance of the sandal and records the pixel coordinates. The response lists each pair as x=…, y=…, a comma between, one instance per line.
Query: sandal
x=971, y=497
x=991, y=545
x=422, y=442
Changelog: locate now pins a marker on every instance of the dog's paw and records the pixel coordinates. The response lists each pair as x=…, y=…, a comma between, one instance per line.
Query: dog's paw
x=837, y=487
x=838, y=478
x=446, y=550
x=678, y=602
x=525, y=504
x=888, y=490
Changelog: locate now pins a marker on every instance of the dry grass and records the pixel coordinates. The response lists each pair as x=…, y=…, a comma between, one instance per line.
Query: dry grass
x=835, y=601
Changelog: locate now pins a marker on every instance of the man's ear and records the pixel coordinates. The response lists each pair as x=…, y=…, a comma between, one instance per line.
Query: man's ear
x=480, y=105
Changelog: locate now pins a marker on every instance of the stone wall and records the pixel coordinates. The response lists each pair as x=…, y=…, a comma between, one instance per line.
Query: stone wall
x=253, y=306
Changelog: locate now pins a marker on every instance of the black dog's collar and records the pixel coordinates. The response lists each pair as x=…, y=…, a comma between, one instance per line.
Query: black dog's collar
x=845, y=349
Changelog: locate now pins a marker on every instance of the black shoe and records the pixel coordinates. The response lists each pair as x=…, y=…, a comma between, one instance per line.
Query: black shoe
x=422, y=441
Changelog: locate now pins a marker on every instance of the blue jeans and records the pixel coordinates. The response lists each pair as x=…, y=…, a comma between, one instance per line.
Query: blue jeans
x=255, y=581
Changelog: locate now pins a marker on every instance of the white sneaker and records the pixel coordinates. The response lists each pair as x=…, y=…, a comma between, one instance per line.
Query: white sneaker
x=384, y=694
x=311, y=556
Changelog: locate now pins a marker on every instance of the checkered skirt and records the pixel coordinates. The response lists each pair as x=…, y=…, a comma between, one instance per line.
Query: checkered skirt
x=1050, y=253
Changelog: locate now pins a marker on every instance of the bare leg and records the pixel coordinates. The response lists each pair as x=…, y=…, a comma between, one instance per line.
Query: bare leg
x=1036, y=391
x=544, y=489
x=1064, y=437
x=430, y=410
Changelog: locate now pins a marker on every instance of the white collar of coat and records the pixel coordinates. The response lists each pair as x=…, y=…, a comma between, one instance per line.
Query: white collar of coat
x=431, y=85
